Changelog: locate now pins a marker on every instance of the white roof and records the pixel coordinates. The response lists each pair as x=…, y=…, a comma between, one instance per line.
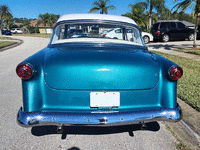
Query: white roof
x=96, y=16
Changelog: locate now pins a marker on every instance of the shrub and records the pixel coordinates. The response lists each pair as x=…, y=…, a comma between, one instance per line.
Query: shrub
x=25, y=30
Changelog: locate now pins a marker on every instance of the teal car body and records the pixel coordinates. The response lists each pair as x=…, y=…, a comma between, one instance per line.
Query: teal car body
x=91, y=83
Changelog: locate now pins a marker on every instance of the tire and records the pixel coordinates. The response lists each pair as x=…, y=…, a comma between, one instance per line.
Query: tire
x=115, y=38
x=146, y=39
x=191, y=37
x=165, y=38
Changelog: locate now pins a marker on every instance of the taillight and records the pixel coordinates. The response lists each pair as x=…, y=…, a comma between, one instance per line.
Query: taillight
x=175, y=72
x=104, y=35
x=24, y=71
x=158, y=32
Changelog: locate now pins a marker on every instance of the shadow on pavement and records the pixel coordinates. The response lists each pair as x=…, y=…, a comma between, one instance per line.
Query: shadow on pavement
x=169, y=46
x=87, y=130
x=73, y=148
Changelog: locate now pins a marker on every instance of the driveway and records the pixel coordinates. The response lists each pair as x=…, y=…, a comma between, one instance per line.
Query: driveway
x=169, y=46
x=12, y=136
x=172, y=45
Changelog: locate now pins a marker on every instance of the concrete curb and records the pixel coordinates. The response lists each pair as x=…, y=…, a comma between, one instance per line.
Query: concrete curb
x=11, y=46
x=188, y=129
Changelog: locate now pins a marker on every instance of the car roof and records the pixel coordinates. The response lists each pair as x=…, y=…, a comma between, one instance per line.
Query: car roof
x=96, y=17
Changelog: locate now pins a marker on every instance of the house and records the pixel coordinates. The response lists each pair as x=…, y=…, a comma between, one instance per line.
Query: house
x=41, y=27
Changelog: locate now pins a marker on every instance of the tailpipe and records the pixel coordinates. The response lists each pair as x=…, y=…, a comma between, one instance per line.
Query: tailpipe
x=59, y=129
x=143, y=126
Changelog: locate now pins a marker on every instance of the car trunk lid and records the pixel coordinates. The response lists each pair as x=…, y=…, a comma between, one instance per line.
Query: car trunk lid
x=98, y=69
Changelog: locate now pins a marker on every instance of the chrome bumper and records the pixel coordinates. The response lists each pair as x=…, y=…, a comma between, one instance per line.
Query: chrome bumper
x=30, y=119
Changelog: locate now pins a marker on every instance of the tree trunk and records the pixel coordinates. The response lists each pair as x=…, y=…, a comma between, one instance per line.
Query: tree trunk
x=195, y=32
x=150, y=20
x=150, y=14
x=1, y=28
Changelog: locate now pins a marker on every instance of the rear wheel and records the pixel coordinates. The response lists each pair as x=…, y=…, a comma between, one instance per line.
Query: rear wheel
x=191, y=37
x=165, y=38
x=146, y=39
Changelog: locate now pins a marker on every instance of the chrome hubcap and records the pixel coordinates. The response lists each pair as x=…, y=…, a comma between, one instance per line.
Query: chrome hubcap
x=165, y=38
x=191, y=37
x=146, y=40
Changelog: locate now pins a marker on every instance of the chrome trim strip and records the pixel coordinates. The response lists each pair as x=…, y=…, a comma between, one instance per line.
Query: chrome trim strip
x=31, y=119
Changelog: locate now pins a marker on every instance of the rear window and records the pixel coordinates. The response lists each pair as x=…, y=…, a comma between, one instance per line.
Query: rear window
x=181, y=25
x=164, y=25
x=72, y=31
x=155, y=26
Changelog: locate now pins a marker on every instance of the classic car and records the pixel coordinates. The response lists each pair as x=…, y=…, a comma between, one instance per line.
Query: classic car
x=92, y=80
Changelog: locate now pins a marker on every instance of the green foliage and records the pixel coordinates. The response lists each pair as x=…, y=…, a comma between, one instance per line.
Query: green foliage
x=24, y=30
x=137, y=14
x=5, y=15
x=102, y=6
x=48, y=19
x=182, y=16
x=151, y=5
x=146, y=30
x=195, y=52
x=6, y=43
x=188, y=88
x=37, y=30
x=164, y=14
x=31, y=29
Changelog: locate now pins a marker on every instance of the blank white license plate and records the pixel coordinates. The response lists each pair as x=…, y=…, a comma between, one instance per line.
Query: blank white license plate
x=104, y=99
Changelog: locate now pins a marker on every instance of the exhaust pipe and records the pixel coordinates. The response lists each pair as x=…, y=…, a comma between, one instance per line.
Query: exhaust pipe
x=60, y=129
x=143, y=126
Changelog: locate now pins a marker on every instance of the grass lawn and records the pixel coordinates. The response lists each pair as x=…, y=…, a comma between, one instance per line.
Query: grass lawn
x=188, y=88
x=6, y=43
x=35, y=35
x=190, y=51
x=7, y=38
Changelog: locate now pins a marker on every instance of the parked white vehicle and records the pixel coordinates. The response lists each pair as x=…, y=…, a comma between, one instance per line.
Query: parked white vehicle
x=16, y=30
x=117, y=34
x=147, y=37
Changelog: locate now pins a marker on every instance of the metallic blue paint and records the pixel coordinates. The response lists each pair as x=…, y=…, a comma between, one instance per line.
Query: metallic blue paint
x=94, y=69
x=66, y=74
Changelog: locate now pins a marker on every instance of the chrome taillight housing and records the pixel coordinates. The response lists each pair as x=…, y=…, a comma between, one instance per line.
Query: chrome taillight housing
x=175, y=72
x=24, y=71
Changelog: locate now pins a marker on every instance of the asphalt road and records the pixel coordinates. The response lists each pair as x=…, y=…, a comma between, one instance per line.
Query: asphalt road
x=12, y=136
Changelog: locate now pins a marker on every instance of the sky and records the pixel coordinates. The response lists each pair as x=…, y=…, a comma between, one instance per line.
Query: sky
x=32, y=8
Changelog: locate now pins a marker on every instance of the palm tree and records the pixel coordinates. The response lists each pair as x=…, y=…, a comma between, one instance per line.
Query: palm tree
x=153, y=4
x=183, y=5
x=165, y=14
x=5, y=14
x=137, y=14
x=44, y=19
x=52, y=20
x=102, y=6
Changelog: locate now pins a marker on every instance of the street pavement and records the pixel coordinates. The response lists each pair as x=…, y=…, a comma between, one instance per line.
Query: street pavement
x=14, y=137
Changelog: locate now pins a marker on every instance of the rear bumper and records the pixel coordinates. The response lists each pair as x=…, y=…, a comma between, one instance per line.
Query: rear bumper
x=30, y=119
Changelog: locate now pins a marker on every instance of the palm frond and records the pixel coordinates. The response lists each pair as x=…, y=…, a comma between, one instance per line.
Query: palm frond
x=94, y=9
x=111, y=7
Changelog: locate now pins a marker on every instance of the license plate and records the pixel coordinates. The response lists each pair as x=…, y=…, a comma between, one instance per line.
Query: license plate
x=104, y=99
